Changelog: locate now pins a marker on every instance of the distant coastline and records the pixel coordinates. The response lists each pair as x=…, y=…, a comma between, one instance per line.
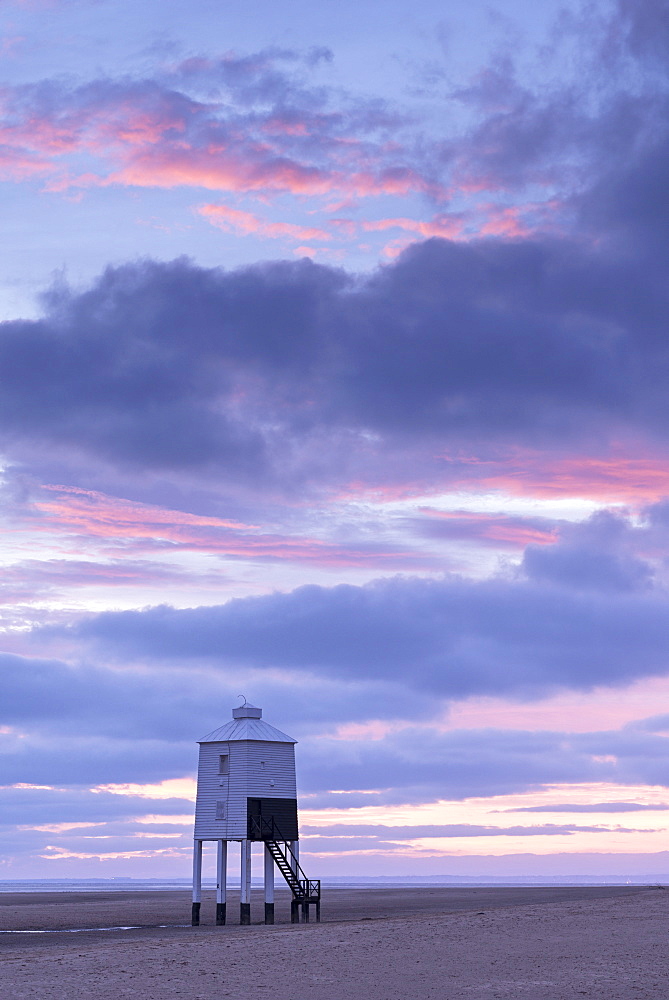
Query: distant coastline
x=125, y=884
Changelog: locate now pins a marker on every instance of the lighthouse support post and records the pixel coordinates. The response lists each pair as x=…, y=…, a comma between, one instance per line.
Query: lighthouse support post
x=294, y=848
x=269, y=886
x=221, y=881
x=197, y=883
x=245, y=895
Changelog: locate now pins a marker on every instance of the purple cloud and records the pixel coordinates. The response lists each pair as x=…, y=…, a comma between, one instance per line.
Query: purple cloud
x=253, y=373
x=452, y=637
x=290, y=376
x=596, y=555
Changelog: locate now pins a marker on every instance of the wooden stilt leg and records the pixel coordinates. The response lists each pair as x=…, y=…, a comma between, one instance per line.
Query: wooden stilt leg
x=197, y=883
x=269, y=887
x=221, y=881
x=245, y=897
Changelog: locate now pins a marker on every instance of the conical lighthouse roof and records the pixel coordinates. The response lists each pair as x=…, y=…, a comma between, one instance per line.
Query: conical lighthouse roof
x=247, y=724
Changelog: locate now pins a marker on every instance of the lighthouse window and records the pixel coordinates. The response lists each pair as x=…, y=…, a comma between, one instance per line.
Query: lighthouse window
x=220, y=810
x=223, y=760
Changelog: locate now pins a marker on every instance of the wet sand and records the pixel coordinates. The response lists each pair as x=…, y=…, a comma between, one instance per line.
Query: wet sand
x=608, y=943
x=54, y=910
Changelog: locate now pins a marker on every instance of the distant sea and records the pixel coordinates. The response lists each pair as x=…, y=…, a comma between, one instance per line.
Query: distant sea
x=333, y=881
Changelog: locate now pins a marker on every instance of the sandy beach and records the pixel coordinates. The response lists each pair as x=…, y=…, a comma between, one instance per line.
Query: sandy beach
x=545, y=944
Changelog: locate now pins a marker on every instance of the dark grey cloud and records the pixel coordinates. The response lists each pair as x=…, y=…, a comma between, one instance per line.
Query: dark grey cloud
x=394, y=649
x=653, y=724
x=83, y=762
x=290, y=373
x=118, y=728
x=112, y=729
x=594, y=555
x=253, y=372
x=419, y=764
x=88, y=701
x=40, y=806
x=450, y=637
x=179, y=704
x=639, y=28
x=415, y=764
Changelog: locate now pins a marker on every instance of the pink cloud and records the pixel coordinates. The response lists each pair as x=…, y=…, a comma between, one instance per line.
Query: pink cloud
x=516, y=221
x=10, y=44
x=505, y=222
x=136, y=527
x=446, y=227
x=221, y=170
x=105, y=515
x=633, y=480
x=233, y=220
x=449, y=227
x=383, y=492
x=146, y=135
x=143, y=134
x=389, y=182
x=253, y=170
x=346, y=226
x=601, y=708
x=32, y=580
x=509, y=222
x=59, y=853
x=629, y=480
x=18, y=165
x=494, y=529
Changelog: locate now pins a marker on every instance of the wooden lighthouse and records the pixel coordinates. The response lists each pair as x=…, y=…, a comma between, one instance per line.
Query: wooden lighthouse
x=246, y=791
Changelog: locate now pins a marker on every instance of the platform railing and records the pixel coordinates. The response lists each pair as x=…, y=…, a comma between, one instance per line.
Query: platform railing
x=303, y=888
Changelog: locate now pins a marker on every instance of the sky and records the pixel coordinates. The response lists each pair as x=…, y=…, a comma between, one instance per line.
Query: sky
x=334, y=359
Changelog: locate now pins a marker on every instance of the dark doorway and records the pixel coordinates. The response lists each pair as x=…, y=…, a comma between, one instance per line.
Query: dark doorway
x=272, y=819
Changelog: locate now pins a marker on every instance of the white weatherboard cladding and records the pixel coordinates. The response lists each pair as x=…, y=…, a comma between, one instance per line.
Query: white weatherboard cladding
x=256, y=769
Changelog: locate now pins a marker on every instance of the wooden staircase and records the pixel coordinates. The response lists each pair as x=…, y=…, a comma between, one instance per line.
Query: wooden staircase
x=305, y=891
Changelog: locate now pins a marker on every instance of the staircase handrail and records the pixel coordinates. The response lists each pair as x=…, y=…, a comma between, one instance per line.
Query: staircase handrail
x=309, y=887
x=264, y=826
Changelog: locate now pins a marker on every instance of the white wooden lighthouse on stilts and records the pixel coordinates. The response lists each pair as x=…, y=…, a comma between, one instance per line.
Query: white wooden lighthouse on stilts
x=246, y=791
